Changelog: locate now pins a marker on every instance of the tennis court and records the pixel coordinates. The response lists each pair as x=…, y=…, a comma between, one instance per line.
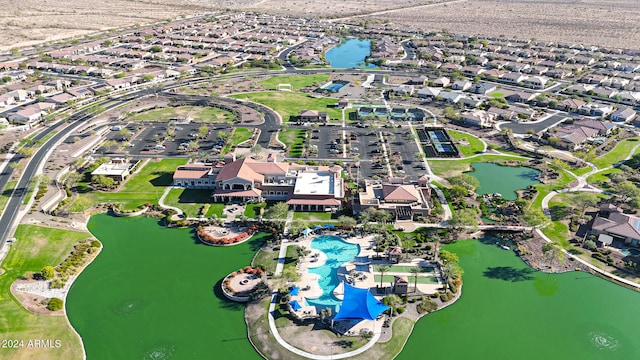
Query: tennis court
x=407, y=268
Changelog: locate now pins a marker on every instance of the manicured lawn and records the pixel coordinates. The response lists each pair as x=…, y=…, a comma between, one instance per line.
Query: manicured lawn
x=297, y=81
x=36, y=247
x=289, y=104
x=197, y=113
x=266, y=258
x=312, y=216
x=401, y=329
x=618, y=153
x=147, y=185
x=294, y=141
x=543, y=189
x=581, y=171
x=558, y=232
x=497, y=94
x=601, y=176
x=239, y=135
x=251, y=210
x=448, y=167
x=476, y=146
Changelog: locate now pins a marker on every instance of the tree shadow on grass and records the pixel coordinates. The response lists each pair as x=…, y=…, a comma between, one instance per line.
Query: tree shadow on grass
x=508, y=273
x=163, y=178
x=559, y=212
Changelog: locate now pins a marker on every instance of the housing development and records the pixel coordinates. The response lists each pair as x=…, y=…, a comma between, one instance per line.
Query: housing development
x=262, y=186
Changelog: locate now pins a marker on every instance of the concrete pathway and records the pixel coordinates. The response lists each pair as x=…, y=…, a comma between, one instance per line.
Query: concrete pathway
x=272, y=323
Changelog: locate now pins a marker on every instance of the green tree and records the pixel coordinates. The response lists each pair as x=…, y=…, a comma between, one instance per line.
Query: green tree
x=347, y=221
x=48, y=272
x=415, y=271
x=103, y=181
x=26, y=151
x=464, y=218
x=382, y=269
x=585, y=200
x=627, y=190
x=277, y=211
x=55, y=304
x=203, y=131
x=124, y=132
x=535, y=217
x=448, y=257
x=72, y=179
x=223, y=135
x=467, y=181
x=256, y=149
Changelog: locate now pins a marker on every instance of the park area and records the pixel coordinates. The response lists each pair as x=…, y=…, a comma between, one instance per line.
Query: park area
x=467, y=144
x=146, y=186
x=198, y=114
x=297, y=82
x=35, y=248
x=289, y=104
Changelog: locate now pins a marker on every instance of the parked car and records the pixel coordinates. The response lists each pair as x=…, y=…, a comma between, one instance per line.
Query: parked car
x=334, y=151
x=354, y=149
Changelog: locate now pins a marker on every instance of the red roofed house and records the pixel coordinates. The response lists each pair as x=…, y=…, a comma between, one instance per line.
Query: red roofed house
x=404, y=201
x=194, y=176
x=306, y=188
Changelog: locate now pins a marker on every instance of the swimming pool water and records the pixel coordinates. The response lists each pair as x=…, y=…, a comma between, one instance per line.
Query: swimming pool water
x=338, y=252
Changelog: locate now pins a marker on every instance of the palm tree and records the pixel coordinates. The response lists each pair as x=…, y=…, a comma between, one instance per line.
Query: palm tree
x=415, y=271
x=382, y=269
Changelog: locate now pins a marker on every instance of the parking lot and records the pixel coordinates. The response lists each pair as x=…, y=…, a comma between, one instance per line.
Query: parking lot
x=148, y=139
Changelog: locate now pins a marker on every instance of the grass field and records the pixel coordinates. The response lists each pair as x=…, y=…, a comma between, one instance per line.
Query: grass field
x=294, y=141
x=476, y=146
x=618, y=153
x=147, y=185
x=191, y=200
x=36, y=247
x=448, y=167
x=289, y=104
x=297, y=81
x=240, y=135
x=601, y=176
x=197, y=113
x=581, y=171
x=544, y=189
x=312, y=216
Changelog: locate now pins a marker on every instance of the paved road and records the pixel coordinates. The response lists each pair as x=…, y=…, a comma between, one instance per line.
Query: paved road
x=524, y=128
x=15, y=201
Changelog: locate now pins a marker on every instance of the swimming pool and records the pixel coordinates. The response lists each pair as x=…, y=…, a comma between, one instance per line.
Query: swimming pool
x=338, y=252
x=627, y=252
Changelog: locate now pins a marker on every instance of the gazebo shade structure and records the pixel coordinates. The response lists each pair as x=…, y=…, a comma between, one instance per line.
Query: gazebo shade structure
x=295, y=305
x=294, y=290
x=306, y=231
x=359, y=304
x=316, y=227
x=328, y=226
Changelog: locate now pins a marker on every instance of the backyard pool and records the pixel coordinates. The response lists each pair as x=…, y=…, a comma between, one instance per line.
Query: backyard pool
x=338, y=252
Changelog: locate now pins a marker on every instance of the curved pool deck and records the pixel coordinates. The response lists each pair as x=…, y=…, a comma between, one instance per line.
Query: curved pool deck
x=364, y=249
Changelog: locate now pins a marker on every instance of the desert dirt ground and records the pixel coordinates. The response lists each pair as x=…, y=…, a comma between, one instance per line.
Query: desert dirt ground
x=611, y=23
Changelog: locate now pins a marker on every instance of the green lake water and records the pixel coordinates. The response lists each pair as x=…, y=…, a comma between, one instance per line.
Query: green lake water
x=150, y=295
x=509, y=311
x=505, y=180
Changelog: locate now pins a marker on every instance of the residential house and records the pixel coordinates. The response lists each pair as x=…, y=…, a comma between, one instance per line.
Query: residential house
x=6, y=100
x=442, y=82
x=535, y=82
x=625, y=114
x=479, y=118
x=624, y=227
x=462, y=85
x=428, y=93
x=483, y=88
x=28, y=115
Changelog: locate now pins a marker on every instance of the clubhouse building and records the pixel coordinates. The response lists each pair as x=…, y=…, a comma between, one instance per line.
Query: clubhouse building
x=302, y=187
